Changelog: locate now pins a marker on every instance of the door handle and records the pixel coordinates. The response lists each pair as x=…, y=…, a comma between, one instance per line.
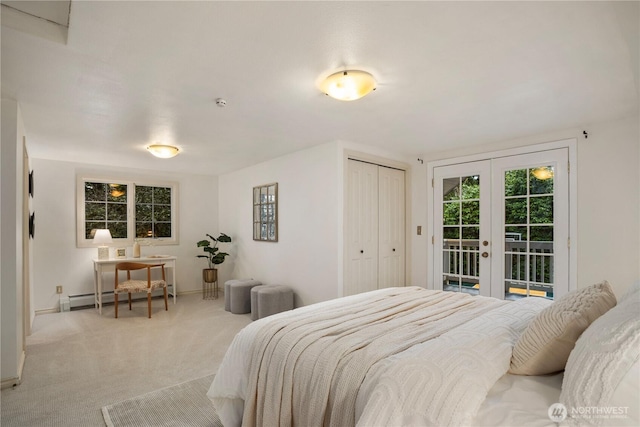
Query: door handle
x=485, y=254
x=394, y=249
x=361, y=251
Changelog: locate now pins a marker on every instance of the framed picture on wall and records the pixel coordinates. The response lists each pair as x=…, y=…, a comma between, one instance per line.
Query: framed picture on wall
x=265, y=212
x=32, y=225
x=31, y=183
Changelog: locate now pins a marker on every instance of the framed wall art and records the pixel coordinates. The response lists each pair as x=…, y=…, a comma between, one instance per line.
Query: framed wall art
x=265, y=212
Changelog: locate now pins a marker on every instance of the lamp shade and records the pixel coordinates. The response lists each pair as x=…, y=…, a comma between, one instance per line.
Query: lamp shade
x=163, y=151
x=102, y=237
x=348, y=85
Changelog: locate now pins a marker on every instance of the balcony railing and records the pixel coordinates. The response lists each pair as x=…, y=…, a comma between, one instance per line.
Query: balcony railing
x=461, y=263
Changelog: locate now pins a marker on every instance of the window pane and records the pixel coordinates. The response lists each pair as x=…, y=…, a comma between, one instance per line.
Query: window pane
x=162, y=213
x=515, y=266
x=451, y=284
x=143, y=213
x=542, y=233
x=515, y=182
x=541, y=210
x=471, y=187
x=541, y=180
x=451, y=213
x=451, y=232
x=515, y=211
x=451, y=189
x=515, y=239
x=116, y=212
x=163, y=229
x=144, y=230
x=91, y=227
x=118, y=229
x=95, y=211
x=144, y=194
x=117, y=193
x=95, y=191
x=162, y=195
x=272, y=193
x=471, y=233
x=471, y=213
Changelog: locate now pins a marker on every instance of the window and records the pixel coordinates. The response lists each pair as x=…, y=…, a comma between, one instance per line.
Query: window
x=130, y=210
x=153, y=212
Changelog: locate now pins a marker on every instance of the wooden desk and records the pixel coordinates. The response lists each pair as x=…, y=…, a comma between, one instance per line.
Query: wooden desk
x=101, y=266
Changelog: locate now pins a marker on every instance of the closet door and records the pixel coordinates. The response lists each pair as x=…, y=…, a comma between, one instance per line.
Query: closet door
x=391, y=220
x=361, y=267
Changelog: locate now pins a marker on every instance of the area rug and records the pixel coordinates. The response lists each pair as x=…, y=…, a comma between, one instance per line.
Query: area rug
x=184, y=404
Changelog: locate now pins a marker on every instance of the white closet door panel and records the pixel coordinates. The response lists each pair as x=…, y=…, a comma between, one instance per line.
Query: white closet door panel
x=391, y=228
x=362, y=226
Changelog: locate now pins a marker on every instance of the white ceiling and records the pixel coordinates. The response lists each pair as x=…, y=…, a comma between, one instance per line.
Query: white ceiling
x=450, y=75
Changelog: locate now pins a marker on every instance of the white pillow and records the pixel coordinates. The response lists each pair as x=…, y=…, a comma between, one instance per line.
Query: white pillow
x=602, y=370
x=544, y=347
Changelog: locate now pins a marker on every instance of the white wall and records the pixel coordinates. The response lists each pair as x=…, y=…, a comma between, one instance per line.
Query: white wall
x=11, y=274
x=57, y=260
x=608, y=241
x=306, y=254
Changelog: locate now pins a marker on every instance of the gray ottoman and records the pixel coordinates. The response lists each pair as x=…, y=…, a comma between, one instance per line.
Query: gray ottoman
x=270, y=299
x=237, y=295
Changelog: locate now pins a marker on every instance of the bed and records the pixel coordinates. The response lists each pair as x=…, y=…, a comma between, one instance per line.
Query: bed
x=411, y=356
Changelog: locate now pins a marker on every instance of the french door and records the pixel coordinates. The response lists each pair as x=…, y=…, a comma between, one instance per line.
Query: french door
x=501, y=226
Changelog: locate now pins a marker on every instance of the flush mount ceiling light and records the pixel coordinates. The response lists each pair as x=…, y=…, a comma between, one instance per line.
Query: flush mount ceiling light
x=163, y=151
x=348, y=85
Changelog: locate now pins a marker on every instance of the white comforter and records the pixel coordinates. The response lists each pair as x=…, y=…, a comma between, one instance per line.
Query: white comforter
x=397, y=356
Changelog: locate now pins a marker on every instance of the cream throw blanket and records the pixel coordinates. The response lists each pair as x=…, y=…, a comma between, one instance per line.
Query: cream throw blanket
x=331, y=363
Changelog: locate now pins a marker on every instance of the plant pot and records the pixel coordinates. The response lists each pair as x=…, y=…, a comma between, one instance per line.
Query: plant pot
x=209, y=275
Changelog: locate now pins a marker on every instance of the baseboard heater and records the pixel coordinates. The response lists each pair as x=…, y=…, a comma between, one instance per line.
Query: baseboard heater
x=82, y=301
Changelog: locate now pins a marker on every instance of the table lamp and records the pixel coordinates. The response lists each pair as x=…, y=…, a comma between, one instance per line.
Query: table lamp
x=102, y=238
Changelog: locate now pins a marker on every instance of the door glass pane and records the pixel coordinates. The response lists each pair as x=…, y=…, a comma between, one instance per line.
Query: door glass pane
x=451, y=189
x=529, y=256
x=451, y=213
x=471, y=213
x=461, y=219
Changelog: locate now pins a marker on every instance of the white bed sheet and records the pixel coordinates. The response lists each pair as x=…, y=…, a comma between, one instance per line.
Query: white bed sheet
x=517, y=400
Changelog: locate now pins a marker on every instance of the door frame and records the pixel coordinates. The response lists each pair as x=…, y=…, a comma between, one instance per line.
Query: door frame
x=569, y=144
x=380, y=161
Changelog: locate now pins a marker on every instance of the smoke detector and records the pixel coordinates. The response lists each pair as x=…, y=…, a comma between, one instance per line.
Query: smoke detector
x=221, y=102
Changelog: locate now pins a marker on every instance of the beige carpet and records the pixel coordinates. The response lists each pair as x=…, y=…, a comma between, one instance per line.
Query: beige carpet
x=184, y=404
x=78, y=362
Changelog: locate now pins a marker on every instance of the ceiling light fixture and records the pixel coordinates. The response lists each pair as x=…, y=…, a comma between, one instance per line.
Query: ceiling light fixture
x=163, y=151
x=348, y=85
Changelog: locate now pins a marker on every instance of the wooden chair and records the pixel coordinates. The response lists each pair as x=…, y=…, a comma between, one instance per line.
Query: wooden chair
x=136, y=286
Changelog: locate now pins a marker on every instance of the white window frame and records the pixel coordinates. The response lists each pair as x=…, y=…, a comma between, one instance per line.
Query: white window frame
x=131, y=182
x=570, y=144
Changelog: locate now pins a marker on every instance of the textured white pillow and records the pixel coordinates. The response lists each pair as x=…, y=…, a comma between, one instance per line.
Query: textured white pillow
x=602, y=370
x=544, y=347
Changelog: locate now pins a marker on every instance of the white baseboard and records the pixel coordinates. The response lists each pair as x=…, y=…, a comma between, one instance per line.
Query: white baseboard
x=88, y=300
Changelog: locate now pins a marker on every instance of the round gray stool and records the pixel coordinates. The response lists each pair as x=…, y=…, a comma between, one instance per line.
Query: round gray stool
x=237, y=295
x=270, y=299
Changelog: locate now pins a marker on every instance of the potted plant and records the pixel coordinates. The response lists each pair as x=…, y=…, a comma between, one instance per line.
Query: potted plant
x=213, y=255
